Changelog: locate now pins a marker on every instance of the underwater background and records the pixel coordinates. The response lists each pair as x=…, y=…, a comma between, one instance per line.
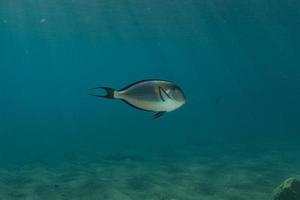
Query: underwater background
x=236, y=138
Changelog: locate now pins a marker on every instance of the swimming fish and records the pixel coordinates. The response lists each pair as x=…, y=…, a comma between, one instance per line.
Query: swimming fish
x=154, y=95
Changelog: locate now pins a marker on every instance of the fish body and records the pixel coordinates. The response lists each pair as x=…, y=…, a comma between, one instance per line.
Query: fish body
x=152, y=95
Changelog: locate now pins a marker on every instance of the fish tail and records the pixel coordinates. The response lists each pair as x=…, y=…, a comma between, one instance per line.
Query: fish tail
x=110, y=92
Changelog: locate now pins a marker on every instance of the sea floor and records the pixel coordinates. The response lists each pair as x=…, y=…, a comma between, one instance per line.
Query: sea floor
x=230, y=175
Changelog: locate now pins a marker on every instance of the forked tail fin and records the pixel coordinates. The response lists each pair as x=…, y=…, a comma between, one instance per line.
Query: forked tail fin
x=110, y=93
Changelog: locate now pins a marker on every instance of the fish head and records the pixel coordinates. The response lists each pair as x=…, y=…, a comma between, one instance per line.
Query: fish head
x=176, y=94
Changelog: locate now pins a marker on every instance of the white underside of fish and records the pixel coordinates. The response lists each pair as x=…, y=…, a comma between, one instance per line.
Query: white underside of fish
x=160, y=106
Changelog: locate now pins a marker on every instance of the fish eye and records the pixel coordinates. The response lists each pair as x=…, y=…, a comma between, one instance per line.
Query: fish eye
x=174, y=88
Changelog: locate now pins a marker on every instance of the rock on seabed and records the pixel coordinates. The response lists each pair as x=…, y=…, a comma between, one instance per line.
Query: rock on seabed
x=288, y=190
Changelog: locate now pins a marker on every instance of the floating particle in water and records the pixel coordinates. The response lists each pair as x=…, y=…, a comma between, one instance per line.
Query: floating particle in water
x=4, y=21
x=218, y=99
x=148, y=9
x=283, y=75
x=43, y=20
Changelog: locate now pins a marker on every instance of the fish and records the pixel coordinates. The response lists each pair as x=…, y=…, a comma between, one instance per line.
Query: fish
x=152, y=95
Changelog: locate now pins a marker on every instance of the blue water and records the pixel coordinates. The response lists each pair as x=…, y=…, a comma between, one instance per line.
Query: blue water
x=237, y=61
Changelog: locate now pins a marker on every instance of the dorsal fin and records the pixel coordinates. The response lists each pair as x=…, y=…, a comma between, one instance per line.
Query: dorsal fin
x=141, y=81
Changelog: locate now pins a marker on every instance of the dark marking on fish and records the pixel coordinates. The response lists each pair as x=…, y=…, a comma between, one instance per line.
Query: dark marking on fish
x=160, y=95
x=164, y=91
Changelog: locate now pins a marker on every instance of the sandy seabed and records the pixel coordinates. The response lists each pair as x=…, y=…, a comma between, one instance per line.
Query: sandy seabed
x=128, y=177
